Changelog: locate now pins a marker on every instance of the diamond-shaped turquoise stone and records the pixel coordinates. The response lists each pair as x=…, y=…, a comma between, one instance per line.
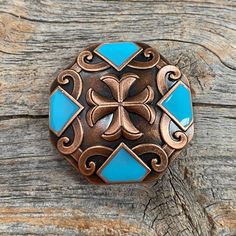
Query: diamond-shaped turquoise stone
x=179, y=105
x=123, y=167
x=118, y=54
x=62, y=109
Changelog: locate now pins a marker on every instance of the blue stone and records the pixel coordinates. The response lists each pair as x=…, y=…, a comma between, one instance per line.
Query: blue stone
x=123, y=167
x=119, y=53
x=62, y=109
x=179, y=105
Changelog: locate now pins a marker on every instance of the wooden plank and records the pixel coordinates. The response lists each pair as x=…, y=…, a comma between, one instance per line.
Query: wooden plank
x=40, y=193
x=37, y=42
x=33, y=176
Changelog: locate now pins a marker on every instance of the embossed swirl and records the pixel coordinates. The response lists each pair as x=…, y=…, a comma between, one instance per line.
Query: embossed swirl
x=174, y=74
x=149, y=53
x=77, y=82
x=176, y=140
x=85, y=57
x=155, y=149
x=78, y=137
x=89, y=169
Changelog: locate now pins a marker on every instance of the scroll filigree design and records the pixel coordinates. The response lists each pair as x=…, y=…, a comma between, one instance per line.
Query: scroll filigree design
x=176, y=140
x=172, y=71
x=119, y=106
x=129, y=96
x=154, y=149
x=78, y=137
x=77, y=82
x=85, y=57
x=64, y=78
x=149, y=53
x=88, y=169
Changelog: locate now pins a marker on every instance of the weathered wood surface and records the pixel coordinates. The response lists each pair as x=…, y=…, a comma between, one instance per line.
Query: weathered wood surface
x=40, y=193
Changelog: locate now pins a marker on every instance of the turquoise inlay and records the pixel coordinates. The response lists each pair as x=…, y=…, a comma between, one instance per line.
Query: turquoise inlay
x=118, y=53
x=123, y=168
x=62, y=109
x=178, y=103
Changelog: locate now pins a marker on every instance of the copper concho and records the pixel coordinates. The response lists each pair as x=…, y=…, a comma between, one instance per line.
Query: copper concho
x=120, y=113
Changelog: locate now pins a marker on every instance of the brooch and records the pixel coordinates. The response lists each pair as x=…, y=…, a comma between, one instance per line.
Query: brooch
x=120, y=113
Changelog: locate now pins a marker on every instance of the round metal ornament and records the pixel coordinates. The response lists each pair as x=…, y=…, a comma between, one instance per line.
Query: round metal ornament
x=120, y=113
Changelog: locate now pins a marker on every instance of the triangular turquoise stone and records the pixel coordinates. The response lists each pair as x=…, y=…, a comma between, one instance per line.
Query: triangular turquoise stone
x=178, y=103
x=62, y=108
x=123, y=167
x=118, y=53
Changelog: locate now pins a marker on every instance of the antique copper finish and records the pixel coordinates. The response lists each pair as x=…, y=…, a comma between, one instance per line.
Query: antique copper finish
x=78, y=137
x=154, y=149
x=153, y=58
x=63, y=79
x=123, y=65
x=120, y=106
x=113, y=154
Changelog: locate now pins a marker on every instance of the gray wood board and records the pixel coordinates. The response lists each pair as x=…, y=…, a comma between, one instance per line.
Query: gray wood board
x=40, y=193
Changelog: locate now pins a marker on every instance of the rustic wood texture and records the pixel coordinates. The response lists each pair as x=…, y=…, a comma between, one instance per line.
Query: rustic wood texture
x=41, y=194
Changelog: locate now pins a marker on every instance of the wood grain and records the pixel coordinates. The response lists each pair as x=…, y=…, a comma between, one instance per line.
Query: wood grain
x=41, y=194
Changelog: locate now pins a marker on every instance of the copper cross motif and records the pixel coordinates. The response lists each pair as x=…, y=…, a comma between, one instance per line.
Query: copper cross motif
x=120, y=106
